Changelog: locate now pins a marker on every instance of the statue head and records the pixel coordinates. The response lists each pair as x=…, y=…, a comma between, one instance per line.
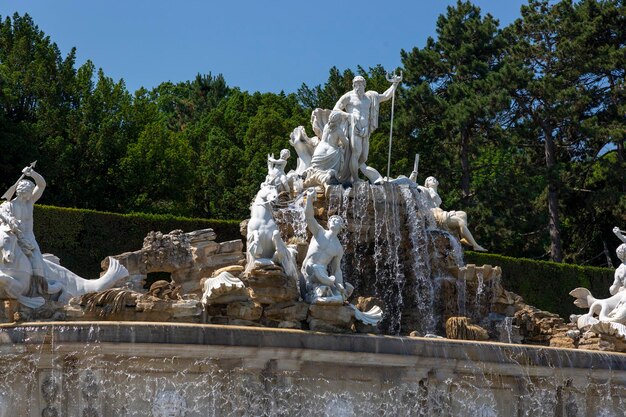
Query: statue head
x=431, y=182
x=358, y=83
x=24, y=187
x=168, y=404
x=621, y=252
x=335, y=223
x=285, y=154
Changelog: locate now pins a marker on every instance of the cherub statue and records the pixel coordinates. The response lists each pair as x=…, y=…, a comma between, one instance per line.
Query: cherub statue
x=276, y=171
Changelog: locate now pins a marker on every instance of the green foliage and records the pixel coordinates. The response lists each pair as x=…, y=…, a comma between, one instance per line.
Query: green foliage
x=523, y=126
x=546, y=285
x=83, y=238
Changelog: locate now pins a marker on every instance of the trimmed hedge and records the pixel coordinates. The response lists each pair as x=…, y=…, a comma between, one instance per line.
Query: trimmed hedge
x=83, y=238
x=546, y=285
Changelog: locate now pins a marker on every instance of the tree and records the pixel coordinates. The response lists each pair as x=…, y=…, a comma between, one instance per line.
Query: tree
x=551, y=96
x=158, y=172
x=456, y=74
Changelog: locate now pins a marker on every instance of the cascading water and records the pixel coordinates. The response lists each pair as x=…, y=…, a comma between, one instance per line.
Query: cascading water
x=390, y=240
x=423, y=290
x=101, y=370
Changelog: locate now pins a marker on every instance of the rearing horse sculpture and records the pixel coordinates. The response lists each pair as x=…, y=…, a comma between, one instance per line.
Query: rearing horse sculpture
x=16, y=272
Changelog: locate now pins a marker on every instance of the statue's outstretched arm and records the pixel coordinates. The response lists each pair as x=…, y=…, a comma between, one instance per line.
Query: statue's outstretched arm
x=40, y=184
x=388, y=92
x=312, y=224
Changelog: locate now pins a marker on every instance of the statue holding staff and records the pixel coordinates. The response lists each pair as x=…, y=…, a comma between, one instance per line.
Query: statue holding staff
x=363, y=108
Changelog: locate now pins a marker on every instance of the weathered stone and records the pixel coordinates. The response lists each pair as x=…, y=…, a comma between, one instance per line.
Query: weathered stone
x=241, y=322
x=266, y=277
x=318, y=325
x=231, y=246
x=537, y=326
x=188, y=257
x=164, y=290
x=462, y=329
x=154, y=309
x=335, y=315
x=365, y=328
x=202, y=235
x=244, y=310
x=270, y=285
x=562, y=342
x=290, y=311
x=231, y=269
x=272, y=295
x=289, y=325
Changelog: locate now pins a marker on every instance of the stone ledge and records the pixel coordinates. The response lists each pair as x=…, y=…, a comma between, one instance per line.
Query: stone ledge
x=14, y=336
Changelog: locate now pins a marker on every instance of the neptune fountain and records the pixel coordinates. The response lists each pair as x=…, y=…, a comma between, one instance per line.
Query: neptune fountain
x=351, y=298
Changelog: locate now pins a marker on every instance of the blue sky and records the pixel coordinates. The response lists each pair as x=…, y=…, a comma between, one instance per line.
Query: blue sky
x=265, y=46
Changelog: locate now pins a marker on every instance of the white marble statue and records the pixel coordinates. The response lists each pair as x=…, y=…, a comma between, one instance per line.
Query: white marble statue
x=329, y=155
x=453, y=221
x=363, y=108
x=222, y=289
x=608, y=310
x=16, y=273
x=276, y=171
x=18, y=212
x=322, y=265
x=304, y=145
x=264, y=244
x=24, y=273
x=168, y=404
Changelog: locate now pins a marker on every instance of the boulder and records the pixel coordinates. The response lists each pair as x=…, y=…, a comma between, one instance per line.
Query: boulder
x=244, y=310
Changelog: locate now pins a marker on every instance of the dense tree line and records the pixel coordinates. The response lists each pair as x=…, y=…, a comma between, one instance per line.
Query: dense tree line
x=523, y=125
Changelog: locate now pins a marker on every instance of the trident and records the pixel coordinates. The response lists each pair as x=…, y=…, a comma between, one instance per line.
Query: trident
x=392, y=79
x=9, y=194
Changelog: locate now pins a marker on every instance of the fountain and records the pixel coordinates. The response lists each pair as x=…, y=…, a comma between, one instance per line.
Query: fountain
x=352, y=298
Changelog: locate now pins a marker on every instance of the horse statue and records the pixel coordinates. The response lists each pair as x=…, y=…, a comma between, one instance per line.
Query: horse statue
x=16, y=273
x=304, y=145
x=264, y=244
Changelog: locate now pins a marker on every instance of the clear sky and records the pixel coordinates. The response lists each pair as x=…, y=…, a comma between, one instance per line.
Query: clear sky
x=257, y=45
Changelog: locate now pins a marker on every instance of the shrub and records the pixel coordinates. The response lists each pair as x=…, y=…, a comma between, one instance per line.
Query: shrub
x=82, y=238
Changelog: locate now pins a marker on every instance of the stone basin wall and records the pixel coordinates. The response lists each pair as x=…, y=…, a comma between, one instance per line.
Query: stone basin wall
x=120, y=369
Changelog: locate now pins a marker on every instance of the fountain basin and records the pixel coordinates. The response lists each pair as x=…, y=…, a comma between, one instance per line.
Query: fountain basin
x=120, y=368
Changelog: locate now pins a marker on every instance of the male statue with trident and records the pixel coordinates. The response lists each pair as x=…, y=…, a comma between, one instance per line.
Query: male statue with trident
x=19, y=211
x=363, y=108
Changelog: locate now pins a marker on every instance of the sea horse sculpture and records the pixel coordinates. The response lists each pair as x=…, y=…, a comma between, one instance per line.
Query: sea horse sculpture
x=24, y=273
x=16, y=272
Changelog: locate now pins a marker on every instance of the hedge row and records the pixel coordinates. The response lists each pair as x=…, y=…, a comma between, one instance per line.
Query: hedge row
x=82, y=238
x=546, y=285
